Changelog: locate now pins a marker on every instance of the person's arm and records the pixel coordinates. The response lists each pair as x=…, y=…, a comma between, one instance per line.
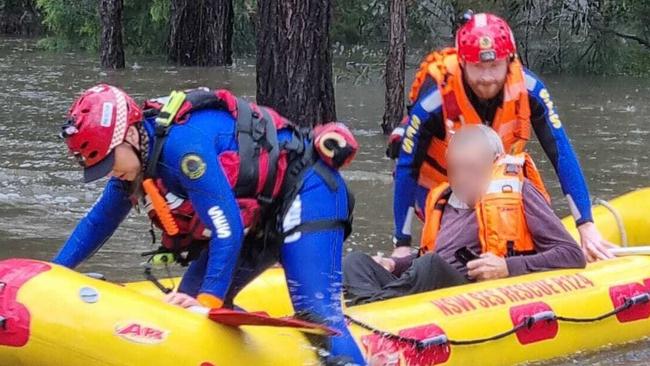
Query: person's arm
x=557, y=146
x=554, y=246
x=425, y=121
x=208, y=189
x=97, y=226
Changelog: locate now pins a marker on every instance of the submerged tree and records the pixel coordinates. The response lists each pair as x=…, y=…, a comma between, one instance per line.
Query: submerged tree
x=201, y=32
x=111, y=47
x=294, y=59
x=395, y=66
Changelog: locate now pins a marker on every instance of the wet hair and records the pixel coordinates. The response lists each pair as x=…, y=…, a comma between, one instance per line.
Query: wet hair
x=479, y=133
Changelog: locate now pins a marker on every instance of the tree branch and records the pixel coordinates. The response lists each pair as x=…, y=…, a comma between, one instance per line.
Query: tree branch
x=639, y=39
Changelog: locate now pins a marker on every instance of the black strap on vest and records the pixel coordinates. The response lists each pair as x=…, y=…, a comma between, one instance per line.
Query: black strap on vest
x=317, y=226
x=292, y=184
x=256, y=131
x=273, y=149
x=161, y=133
x=248, y=150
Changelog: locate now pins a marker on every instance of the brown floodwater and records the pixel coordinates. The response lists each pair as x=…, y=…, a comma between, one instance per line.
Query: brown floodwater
x=41, y=197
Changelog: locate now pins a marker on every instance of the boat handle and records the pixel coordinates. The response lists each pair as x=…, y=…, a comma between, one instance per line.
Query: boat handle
x=641, y=298
x=547, y=315
x=438, y=340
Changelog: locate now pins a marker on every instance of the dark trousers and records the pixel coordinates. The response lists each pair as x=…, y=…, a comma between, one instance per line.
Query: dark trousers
x=364, y=280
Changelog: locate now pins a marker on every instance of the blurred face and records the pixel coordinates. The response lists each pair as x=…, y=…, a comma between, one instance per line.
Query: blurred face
x=127, y=165
x=469, y=167
x=486, y=78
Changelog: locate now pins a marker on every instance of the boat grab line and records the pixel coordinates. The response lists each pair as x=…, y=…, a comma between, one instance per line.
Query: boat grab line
x=528, y=322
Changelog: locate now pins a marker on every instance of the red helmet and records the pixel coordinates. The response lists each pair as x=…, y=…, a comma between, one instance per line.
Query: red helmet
x=96, y=123
x=485, y=37
x=335, y=144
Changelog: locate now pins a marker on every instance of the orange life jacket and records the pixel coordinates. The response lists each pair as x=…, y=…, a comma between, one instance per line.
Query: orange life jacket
x=500, y=211
x=511, y=121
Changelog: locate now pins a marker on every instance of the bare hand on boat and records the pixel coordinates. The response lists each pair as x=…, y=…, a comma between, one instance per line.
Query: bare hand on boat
x=181, y=299
x=387, y=263
x=488, y=267
x=592, y=243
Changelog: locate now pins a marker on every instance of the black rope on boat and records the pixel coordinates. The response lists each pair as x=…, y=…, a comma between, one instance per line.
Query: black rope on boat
x=527, y=323
x=641, y=298
x=420, y=344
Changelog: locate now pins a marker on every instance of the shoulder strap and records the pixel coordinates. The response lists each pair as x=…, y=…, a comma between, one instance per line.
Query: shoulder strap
x=534, y=176
x=163, y=122
x=273, y=156
x=248, y=151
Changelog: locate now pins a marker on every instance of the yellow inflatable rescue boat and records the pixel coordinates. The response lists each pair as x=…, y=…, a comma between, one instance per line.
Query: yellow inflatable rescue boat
x=50, y=315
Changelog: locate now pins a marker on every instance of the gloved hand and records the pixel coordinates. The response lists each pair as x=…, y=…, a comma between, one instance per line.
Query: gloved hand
x=395, y=142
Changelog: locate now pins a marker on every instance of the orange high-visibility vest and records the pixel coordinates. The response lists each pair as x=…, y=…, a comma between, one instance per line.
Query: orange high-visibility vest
x=511, y=121
x=500, y=211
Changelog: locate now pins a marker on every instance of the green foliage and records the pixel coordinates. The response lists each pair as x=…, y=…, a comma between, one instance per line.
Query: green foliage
x=146, y=25
x=360, y=22
x=243, y=39
x=595, y=36
x=73, y=24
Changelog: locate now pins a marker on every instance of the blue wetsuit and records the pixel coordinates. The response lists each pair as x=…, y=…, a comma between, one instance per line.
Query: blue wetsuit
x=312, y=260
x=408, y=194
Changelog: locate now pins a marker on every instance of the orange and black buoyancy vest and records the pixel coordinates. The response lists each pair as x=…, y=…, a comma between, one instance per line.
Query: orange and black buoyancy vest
x=500, y=212
x=511, y=121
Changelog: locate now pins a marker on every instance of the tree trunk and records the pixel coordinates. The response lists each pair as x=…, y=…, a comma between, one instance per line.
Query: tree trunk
x=112, y=49
x=395, y=67
x=294, y=60
x=201, y=32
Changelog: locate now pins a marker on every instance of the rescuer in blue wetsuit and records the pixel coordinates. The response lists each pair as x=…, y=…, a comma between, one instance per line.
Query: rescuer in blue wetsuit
x=232, y=163
x=481, y=81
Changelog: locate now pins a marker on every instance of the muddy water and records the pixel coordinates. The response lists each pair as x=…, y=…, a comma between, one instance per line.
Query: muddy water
x=41, y=197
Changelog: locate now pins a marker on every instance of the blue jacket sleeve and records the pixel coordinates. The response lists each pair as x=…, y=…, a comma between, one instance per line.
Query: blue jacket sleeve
x=212, y=198
x=97, y=226
x=423, y=117
x=557, y=146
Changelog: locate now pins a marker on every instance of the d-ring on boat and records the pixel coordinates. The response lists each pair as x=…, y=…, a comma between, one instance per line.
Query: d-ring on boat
x=54, y=316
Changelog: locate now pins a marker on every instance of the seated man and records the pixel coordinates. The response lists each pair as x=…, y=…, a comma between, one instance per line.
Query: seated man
x=494, y=204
